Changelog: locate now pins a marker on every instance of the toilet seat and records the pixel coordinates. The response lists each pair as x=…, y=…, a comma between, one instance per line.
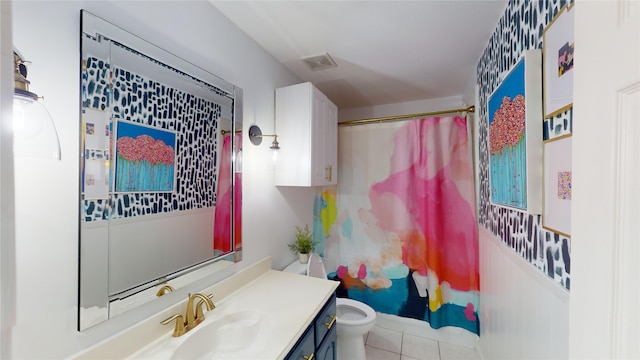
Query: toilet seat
x=315, y=268
x=362, y=313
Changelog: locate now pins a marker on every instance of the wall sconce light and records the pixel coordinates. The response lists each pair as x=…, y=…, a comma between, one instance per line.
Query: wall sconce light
x=34, y=134
x=255, y=136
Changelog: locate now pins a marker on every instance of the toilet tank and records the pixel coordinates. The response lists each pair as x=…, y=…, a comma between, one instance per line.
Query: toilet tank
x=296, y=267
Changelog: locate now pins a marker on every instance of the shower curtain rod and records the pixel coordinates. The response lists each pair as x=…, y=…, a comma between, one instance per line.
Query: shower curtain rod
x=225, y=132
x=400, y=117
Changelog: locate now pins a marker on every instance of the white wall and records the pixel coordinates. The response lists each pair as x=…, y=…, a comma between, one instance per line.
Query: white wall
x=47, y=34
x=7, y=243
x=523, y=313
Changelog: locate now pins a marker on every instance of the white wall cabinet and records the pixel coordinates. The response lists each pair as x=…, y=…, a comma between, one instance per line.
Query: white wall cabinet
x=307, y=128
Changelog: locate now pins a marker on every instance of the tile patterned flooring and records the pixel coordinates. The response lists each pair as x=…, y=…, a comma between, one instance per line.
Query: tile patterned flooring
x=384, y=344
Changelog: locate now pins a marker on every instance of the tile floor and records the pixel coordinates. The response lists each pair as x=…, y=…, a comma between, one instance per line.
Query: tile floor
x=384, y=344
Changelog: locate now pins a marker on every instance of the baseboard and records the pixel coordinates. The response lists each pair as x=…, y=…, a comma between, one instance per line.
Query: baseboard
x=449, y=334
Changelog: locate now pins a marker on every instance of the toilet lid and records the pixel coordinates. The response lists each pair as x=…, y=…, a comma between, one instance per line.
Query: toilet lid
x=315, y=267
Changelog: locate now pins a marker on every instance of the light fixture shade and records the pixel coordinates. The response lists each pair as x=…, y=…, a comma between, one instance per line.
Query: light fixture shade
x=238, y=161
x=34, y=134
x=275, y=145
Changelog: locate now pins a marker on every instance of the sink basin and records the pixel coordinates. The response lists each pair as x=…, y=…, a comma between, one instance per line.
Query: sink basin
x=241, y=334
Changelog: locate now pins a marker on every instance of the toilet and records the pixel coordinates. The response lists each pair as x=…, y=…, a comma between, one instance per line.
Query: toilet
x=354, y=318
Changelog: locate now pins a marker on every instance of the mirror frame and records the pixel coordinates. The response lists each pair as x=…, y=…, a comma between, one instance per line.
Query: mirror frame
x=93, y=267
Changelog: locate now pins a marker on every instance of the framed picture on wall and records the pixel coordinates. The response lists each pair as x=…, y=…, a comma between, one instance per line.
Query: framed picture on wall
x=145, y=158
x=515, y=136
x=557, y=50
x=556, y=214
x=94, y=169
x=559, y=125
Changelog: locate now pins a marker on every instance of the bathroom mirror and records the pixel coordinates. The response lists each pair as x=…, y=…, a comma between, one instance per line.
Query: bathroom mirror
x=160, y=172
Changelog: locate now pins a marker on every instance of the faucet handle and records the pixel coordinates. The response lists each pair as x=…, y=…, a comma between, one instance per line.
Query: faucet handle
x=200, y=311
x=179, y=328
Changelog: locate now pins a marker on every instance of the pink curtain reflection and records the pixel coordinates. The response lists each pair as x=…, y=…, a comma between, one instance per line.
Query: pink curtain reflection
x=222, y=224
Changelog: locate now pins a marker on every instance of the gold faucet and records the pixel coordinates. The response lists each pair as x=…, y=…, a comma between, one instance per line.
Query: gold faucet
x=164, y=290
x=193, y=317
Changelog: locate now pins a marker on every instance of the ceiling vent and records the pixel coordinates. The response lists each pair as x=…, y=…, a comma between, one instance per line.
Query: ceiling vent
x=319, y=62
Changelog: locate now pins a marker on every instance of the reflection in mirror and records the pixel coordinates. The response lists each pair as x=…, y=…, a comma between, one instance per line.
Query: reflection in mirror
x=160, y=172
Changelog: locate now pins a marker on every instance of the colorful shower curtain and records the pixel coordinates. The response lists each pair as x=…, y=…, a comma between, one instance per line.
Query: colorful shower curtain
x=400, y=233
x=222, y=228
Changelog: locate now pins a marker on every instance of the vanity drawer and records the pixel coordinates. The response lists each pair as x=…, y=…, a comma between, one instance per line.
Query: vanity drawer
x=326, y=320
x=320, y=337
x=305, y=347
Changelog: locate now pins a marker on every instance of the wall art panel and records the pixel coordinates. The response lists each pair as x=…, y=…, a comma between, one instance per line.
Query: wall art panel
x=515, y=136
x=520, y=28
x=557, y=185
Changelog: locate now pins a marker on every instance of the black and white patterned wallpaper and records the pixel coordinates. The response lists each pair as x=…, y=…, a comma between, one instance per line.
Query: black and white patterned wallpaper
x=520, y=28
x=131, y=97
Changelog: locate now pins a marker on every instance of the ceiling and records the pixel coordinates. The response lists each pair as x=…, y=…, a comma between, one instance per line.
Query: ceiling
x=385, y=51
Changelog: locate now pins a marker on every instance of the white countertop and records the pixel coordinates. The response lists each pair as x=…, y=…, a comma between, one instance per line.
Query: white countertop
x=290, y=300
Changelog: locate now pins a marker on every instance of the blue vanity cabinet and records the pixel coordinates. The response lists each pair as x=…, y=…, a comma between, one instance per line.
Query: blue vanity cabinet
x=319, y=339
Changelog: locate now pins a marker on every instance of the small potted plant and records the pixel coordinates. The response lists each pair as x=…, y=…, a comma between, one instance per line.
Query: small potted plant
x=304, y=244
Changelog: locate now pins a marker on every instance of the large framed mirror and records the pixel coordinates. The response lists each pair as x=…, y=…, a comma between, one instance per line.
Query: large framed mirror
x=160, y=172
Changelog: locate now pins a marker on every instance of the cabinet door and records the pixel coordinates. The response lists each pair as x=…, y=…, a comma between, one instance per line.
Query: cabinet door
x=324, y=137
x=307, y=126
x=295, y=134
x=327, y=350
x=317, y=127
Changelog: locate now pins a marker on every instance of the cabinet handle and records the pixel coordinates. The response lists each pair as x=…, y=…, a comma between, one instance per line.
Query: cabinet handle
x=308, y=357
x=333, y=321
x=329, y=171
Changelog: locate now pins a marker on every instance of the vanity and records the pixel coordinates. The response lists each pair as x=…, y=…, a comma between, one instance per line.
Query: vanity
x=259, y=313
